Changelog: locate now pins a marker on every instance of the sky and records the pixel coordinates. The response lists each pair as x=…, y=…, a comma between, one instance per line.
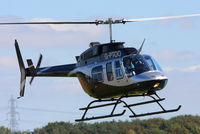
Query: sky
x=173, y=43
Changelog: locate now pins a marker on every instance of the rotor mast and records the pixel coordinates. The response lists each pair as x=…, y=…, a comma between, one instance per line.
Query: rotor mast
x=110, y=21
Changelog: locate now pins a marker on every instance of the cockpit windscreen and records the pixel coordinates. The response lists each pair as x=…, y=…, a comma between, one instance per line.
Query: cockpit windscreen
x=152, y=63
x=135, y=64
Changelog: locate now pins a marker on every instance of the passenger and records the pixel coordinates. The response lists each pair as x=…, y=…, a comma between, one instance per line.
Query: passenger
x=129, y=68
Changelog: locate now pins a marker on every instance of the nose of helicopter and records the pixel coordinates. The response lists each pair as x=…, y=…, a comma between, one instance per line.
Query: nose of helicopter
x=156, y=79
x=151, y=75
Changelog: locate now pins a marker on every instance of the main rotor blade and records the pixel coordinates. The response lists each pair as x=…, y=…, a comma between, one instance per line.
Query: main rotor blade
x=160, y=18
x=97, y=22
x=75, y=22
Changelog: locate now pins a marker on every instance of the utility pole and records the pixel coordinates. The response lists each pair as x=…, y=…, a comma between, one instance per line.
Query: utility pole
x=13, y=124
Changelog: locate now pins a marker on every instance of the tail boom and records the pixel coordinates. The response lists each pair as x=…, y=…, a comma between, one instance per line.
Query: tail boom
x=68, y=70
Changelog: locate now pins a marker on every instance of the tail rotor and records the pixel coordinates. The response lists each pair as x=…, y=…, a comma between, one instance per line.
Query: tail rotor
x=38, y=66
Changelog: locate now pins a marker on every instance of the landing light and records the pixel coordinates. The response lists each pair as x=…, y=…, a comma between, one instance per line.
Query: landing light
x=156, y=85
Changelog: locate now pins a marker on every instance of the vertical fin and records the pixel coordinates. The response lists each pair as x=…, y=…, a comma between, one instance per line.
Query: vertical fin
x=22, y=69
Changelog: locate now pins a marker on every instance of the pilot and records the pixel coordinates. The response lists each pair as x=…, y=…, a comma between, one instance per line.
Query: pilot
x=139, y=66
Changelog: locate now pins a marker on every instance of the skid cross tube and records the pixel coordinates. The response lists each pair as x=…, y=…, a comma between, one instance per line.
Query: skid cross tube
x=146, y=102
x=109, y=104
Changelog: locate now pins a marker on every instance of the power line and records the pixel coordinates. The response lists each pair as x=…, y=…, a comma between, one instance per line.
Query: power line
x=34, y=122
x=3, y=108
x=48, y=110
x=3, y=120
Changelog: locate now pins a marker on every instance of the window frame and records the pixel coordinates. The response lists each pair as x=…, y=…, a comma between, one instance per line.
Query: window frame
x=118, y=68
x=109, y=72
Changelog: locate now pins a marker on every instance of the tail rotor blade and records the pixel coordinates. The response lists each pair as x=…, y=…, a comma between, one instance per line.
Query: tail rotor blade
x=31, y=80
x=39, y=61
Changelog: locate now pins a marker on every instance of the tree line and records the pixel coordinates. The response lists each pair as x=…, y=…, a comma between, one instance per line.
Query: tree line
x=185, y=124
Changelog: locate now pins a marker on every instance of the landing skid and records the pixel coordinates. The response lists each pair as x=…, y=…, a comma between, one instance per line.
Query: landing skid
x=116, y=101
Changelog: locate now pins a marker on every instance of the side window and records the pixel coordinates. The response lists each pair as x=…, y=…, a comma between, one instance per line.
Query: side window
x=118, y=70
x=109, y=71
x=97, y=74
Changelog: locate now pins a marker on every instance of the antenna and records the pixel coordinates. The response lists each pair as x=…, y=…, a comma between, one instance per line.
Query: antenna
x=13, y=115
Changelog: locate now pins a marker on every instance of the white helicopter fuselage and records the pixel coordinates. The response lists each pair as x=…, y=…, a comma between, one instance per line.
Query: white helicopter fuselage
x=110, y=79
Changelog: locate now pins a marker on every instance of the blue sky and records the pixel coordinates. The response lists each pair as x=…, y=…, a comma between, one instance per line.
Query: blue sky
x=174, y=43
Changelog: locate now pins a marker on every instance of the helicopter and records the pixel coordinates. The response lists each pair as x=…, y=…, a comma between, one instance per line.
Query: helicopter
x=108, y=72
